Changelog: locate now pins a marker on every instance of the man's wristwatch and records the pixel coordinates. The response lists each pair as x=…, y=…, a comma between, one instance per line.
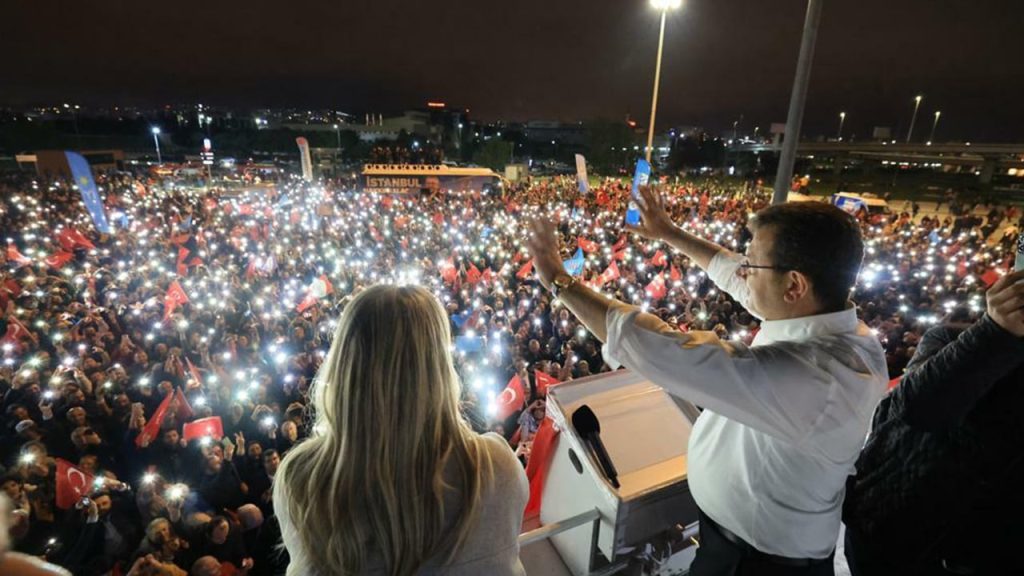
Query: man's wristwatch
x=562, y=282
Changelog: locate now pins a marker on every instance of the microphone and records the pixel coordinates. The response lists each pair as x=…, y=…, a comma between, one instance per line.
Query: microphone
x=585, y=422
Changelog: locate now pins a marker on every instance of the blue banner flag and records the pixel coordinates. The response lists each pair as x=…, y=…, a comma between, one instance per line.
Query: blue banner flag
x=640, y=177
x=459, y=320
x=574, y=265
x=90, y=195
x=934, y=237
x=581, y=174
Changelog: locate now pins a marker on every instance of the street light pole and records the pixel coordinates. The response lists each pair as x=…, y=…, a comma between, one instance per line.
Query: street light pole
x=665, y=6
x=913, y=119
x=842, y=119
x=797, y=98
x=337, y=133
x=938, y=114
x=156, y=142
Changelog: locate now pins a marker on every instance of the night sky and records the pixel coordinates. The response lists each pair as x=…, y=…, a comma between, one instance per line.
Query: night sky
x=533, y=59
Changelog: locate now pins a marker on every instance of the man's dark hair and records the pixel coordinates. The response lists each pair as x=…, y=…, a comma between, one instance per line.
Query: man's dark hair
x=819, y=240
x=267, y=454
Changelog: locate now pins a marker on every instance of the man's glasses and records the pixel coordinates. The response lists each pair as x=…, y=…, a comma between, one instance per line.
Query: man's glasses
x=746, y=267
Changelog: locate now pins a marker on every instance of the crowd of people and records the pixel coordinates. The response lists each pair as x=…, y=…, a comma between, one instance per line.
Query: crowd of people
x=202, y=304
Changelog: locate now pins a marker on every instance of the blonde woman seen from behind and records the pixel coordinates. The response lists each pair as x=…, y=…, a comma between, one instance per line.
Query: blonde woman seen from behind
x=393, y=481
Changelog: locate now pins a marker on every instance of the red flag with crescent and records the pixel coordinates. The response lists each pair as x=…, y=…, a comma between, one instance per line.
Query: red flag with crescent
x=544, y=381
x=525, y=271
x=511, y=398
x=544, y=444
x=181, y=405
x=448, y=271
x=656, y=289
x=611, y=273
x=72, y=484
x=16, y=256
x=588, y=246
x=175, y=297
x=152, y=427
x=193, y=371
x=58, y=259
x=211, y=427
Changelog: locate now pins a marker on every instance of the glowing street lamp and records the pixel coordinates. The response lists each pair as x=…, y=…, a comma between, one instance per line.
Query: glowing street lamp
x=842, y=119
x=664, y=6
x=913, y=119
x=337, y=132
x=156, y=142
x=935, y=124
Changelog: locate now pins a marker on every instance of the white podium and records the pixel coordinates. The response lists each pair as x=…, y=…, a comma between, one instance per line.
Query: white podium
x=594, y=527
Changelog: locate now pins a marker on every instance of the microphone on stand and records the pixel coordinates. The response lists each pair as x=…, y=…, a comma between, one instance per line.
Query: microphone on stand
x=587, y=426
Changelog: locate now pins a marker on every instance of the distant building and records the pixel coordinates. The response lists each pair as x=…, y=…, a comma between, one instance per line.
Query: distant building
x=539, y=131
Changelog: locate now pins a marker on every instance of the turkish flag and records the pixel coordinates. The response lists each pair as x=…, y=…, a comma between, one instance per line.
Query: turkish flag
x=448, y=271
x=193, y=372
x=320, y=288
x=611, y=273
x=525, y=271
x=991, y=277
x=72, y=484
x=656, y=289
x=17, y=257
x=511, y=399
x=620, y=255
x=202, y=428
x=181, y=405
x=487, y=275
x=70, y=238
x=544, y=444
x=544, y=381
x=324, y=287
x=587, y=245
x=620, y=244
x=473, y=275
x=674, y=274
x=306, y=303
x=59, y=259
x=175, y=297
x=659, y=259
x=152, y=427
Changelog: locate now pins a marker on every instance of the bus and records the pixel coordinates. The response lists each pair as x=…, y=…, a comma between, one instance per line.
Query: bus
x=426, y=179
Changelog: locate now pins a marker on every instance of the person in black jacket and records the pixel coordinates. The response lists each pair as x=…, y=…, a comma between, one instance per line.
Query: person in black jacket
x=938, y=484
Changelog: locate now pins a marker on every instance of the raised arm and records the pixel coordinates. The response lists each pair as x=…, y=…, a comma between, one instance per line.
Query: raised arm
x=657, y=225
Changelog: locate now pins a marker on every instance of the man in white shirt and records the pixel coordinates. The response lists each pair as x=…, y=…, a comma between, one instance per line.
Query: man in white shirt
x=784, y=419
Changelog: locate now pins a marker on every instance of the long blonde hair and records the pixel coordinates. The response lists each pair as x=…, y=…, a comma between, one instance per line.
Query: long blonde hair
x=387, y=421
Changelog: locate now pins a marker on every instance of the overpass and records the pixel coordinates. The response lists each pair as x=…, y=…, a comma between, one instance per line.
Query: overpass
x=987, y=157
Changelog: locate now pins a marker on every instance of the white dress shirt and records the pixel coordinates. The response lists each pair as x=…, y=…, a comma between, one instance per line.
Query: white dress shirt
x=784, y=419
